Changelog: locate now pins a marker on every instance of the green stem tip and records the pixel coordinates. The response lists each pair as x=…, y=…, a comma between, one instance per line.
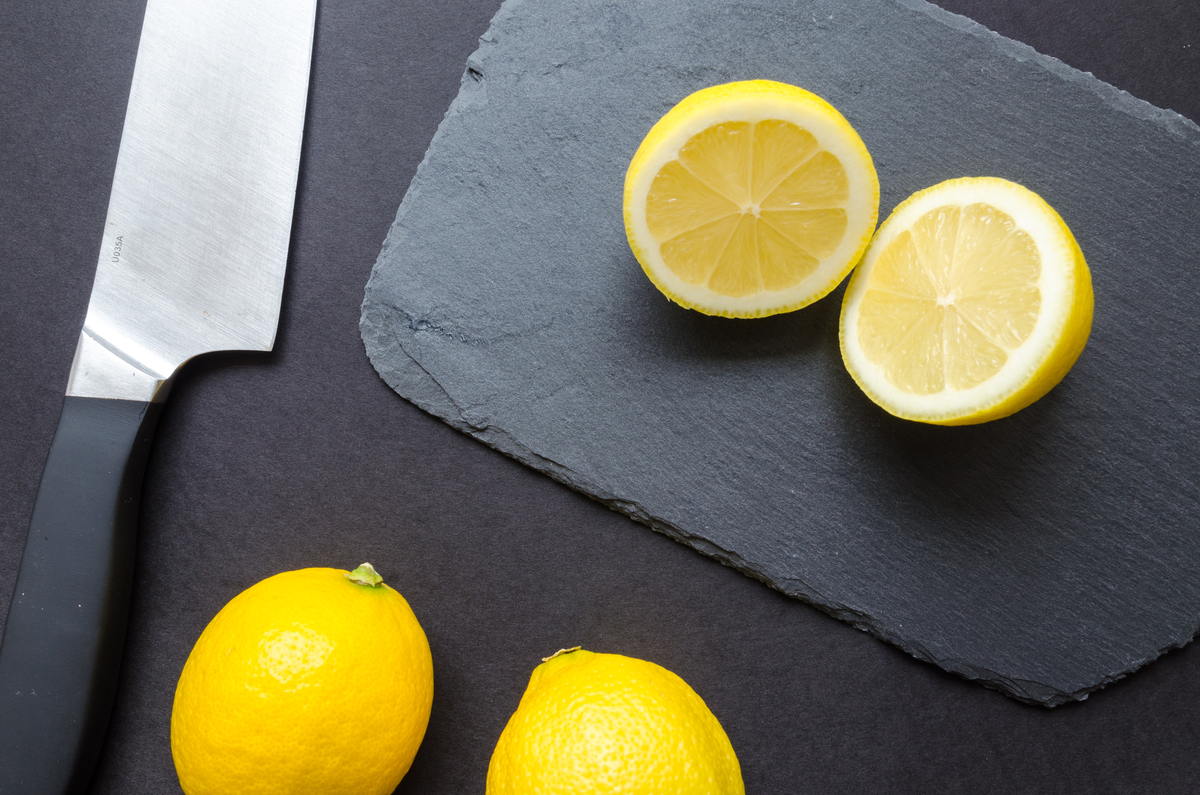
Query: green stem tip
x=365, y=575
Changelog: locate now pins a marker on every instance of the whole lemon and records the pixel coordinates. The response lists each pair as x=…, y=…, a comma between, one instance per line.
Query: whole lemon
x=606, y=723
x=316, y=680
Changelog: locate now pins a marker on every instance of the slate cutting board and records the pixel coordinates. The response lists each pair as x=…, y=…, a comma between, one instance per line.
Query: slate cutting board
x=1045, y=555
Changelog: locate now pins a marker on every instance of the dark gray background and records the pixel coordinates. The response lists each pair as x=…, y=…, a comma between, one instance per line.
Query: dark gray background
x=304, y=457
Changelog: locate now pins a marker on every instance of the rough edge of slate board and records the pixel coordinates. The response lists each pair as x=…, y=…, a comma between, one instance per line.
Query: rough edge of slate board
x=422, y=388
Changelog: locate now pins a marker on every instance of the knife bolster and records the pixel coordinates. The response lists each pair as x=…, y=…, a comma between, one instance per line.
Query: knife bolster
x=101, y=370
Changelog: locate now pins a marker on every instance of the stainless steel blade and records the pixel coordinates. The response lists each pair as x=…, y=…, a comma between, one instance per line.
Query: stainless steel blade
x=200, y=214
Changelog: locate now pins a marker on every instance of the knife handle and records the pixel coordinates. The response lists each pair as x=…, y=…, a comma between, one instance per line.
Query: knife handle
x=62, y=644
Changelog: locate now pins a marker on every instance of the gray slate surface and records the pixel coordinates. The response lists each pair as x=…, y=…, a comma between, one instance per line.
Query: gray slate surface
x=1045, y=555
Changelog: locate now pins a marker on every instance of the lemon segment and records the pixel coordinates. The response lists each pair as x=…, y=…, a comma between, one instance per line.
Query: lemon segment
x=749, y=199
x=972, y=302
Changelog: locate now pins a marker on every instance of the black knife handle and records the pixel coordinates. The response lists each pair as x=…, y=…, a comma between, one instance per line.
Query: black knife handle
x=66, y=623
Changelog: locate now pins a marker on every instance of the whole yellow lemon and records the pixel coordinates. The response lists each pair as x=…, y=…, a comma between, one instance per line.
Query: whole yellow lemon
x=316, y=680
x=606, y=723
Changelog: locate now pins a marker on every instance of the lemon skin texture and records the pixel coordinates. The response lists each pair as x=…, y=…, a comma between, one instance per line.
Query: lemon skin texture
x=306, y=682
x=604, y=723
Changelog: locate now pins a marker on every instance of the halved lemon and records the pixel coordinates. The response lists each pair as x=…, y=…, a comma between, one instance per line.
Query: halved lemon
x=972, y=302
x=749, y=199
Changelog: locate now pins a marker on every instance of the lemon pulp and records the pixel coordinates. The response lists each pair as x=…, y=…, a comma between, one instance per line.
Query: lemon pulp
x=972, y=302
x=748, y=207
x=748, y=199
x=963, y=286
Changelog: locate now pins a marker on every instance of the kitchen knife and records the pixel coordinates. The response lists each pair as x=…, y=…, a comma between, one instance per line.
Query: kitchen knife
x=192, y=261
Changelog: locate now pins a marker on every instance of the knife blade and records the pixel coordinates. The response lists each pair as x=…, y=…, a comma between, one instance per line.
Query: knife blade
x=191, y=261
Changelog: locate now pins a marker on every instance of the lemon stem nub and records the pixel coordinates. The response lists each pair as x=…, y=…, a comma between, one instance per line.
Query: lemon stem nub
x=561, y=652
x=365, y=575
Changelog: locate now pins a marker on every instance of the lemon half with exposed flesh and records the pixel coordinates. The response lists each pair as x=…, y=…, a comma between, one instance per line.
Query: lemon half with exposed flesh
x=749, y=199
x=972, y=302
